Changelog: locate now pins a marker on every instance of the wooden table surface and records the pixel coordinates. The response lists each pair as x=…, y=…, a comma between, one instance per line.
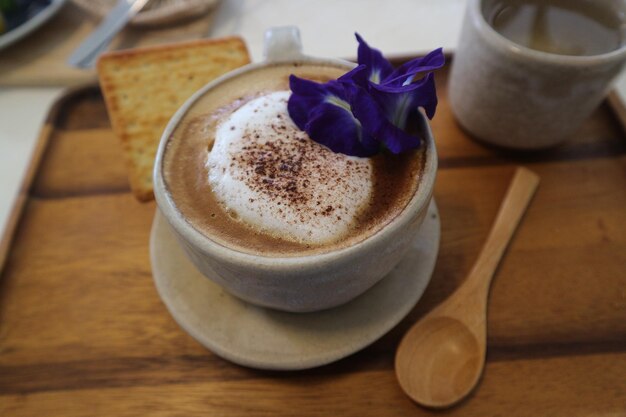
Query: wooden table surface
x=83, y=331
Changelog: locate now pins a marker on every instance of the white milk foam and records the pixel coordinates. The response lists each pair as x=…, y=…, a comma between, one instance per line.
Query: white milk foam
x=277, y=180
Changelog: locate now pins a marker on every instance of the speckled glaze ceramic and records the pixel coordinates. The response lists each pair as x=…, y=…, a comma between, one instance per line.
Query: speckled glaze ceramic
x=270, y=339
x=306, y=283
x=516, y=97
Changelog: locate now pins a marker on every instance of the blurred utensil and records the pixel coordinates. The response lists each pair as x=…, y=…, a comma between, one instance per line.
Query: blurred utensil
x=87, y=52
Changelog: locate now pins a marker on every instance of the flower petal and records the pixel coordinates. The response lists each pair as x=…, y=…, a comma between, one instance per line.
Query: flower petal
x=407, y=71
x=324, y=112
x=378, y=67
x=306, y=95
x=357, y=75
x=336, y=128
x=374, y=121
x=399, y=102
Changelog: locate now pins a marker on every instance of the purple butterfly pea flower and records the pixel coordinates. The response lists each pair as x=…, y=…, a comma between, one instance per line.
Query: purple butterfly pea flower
x=324, y=111
x=367, y=108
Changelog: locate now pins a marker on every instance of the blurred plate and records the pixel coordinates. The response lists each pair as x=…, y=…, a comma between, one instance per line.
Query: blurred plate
x=156, y=12
x=31, y=24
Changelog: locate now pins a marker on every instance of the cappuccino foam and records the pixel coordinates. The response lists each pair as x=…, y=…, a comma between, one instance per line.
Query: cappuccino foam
x=277, y=180
x=391, y=183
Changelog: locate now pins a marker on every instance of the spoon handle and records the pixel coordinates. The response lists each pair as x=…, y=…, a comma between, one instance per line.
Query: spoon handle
x=512, y=209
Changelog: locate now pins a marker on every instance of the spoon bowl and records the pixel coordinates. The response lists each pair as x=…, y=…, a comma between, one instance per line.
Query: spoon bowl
x=445, y=349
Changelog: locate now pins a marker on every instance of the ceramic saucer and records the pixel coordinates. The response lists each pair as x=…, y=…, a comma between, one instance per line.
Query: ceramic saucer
x=263, y=338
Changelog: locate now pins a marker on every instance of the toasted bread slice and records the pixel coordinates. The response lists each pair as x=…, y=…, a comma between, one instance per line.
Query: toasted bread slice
x=144, y=87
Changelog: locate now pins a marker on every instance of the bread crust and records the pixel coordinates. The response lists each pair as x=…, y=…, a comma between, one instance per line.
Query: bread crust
x=144, y=87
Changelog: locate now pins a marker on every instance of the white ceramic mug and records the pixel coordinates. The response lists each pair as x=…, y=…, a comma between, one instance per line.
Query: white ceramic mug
x=304, y=283
x=509, y=95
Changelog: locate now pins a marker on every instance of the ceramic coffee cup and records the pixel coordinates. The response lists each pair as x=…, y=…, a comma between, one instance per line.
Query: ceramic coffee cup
x=512, y=96
x=305, y=283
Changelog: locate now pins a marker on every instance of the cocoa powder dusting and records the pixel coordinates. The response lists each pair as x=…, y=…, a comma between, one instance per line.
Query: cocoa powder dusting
x=282, y=167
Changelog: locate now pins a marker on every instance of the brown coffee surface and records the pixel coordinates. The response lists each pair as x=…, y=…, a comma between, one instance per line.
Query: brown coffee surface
x=395, y=177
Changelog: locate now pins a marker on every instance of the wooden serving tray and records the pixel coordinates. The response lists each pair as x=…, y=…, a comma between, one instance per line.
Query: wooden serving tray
x=83, y=331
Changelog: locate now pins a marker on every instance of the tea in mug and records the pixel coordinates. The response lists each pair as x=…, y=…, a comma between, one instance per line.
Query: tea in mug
x=564, y=27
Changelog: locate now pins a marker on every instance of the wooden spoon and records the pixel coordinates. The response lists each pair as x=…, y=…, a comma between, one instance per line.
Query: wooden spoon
x=441, y=358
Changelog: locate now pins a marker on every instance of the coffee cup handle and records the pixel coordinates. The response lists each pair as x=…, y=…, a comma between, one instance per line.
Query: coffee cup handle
x=282, y=44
